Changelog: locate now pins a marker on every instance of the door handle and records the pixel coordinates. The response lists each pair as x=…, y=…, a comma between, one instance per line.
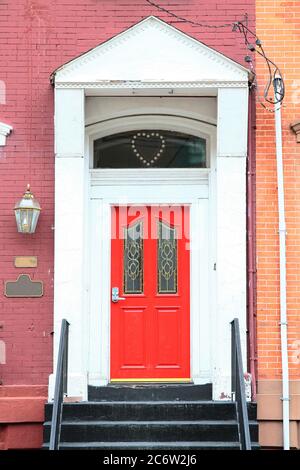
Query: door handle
x=115, y=295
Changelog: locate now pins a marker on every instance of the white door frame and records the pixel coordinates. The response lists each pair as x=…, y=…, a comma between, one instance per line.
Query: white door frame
x=102, y=198
x=180, y=186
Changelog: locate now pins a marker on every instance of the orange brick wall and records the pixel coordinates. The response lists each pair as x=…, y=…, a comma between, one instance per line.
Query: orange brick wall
x=278, y=26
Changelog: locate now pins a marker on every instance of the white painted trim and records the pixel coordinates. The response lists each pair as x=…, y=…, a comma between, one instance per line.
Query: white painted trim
x=180, y=123
x=149, y=193
x=230, y=268
x=100, y=304
x=154, y=176
x=201, y=313
x=69, y=138
x=202, y=109
x=131, y=87
x=5, y=130
x=232, y=122
x=71, y=195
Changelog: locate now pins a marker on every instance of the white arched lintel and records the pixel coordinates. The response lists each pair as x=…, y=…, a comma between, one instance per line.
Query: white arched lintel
x=179, y=123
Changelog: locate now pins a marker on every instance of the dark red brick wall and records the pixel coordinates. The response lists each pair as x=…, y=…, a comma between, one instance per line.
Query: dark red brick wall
x=37, y=36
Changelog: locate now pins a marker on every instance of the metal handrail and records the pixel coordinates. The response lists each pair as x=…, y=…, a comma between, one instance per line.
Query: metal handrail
x=238, y=385
x=61, y=385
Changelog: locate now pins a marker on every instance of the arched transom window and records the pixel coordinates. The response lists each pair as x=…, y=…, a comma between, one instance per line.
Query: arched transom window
x=150, y=149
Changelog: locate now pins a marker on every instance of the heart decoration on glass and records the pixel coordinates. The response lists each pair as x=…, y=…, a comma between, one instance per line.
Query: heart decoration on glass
x=158, y=143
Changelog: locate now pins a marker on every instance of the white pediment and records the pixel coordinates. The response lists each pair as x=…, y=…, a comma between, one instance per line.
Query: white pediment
x=150, y=51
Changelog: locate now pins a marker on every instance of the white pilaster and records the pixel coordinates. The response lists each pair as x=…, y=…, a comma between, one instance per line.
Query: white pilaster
x=70, y=197
x=230, y=232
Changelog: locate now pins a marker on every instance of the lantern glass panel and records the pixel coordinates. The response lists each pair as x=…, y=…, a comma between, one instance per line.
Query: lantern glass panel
x=27, y=220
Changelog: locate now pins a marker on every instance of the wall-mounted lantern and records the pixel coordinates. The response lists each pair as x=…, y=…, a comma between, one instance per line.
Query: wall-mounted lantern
x=27, y=212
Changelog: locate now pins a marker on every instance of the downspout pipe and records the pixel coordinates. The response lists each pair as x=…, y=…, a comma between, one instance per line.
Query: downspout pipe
x=277, y=84
x=251, y=265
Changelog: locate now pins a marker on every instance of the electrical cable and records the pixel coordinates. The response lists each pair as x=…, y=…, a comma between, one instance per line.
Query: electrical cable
x=184, y=20
x=241, y=27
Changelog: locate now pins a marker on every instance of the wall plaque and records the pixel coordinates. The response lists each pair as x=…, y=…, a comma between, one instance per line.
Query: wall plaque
x=23, y=287
x=25, y=261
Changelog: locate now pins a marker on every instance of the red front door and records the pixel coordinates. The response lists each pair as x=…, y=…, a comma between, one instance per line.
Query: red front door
x=150, y=324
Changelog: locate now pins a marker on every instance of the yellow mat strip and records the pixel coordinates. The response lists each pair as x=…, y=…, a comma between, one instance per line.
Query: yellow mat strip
x=152, y=380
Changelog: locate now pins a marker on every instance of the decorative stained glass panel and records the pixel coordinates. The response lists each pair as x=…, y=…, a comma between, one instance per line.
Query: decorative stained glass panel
x=133, y=259
x=167, y=259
